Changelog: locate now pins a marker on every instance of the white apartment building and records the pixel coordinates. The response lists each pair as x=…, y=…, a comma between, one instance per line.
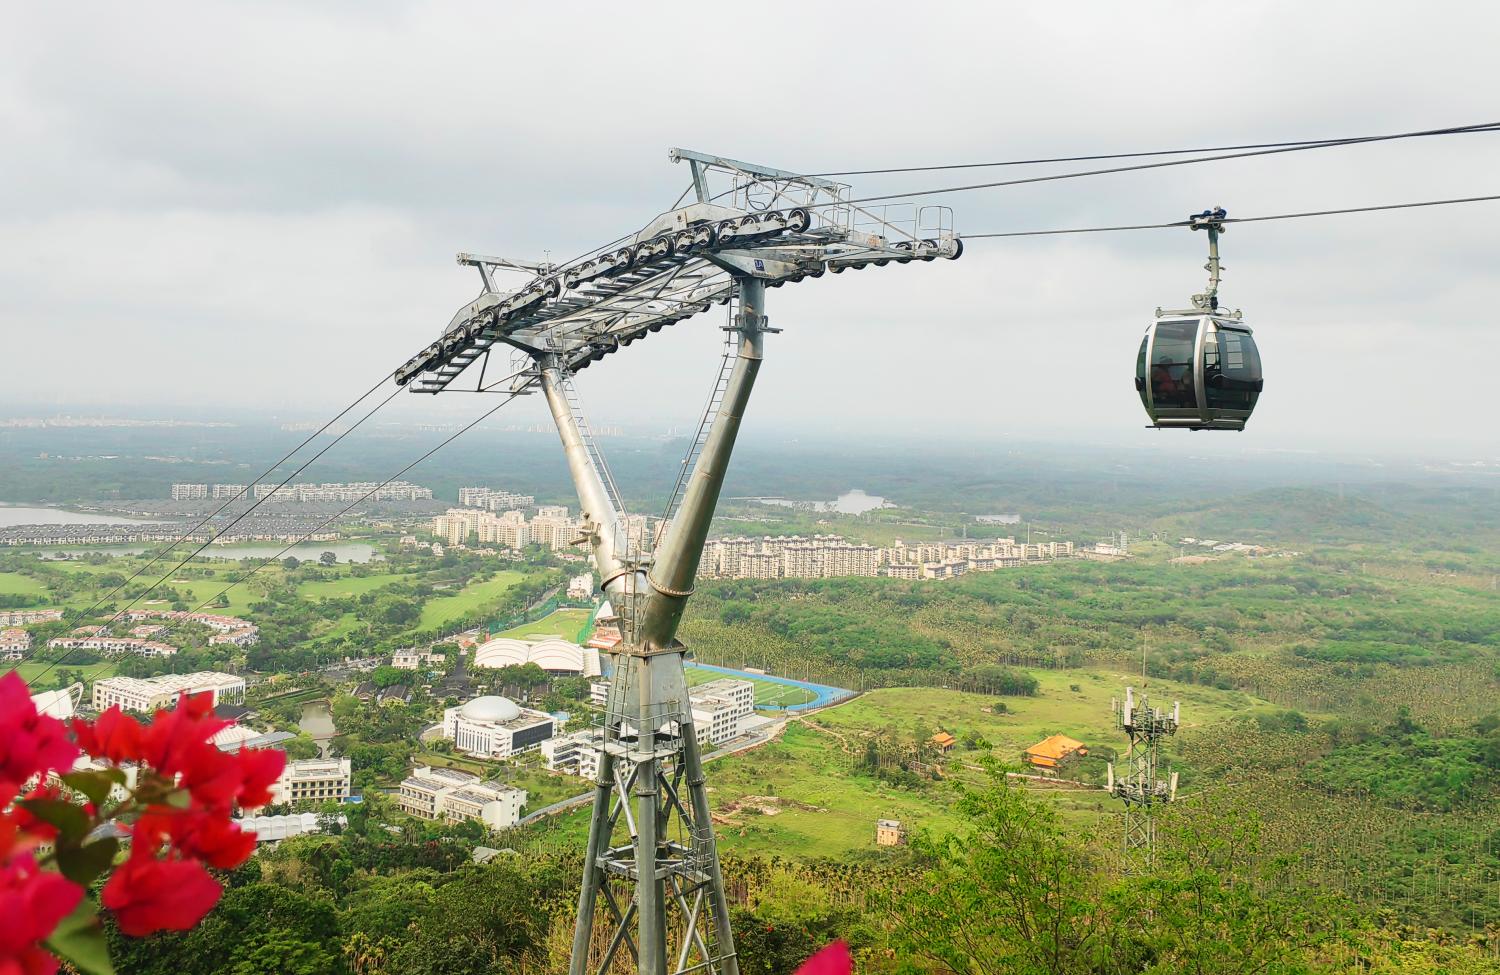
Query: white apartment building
x=225, y=491
x=495, y=727
x=483, y=497
x=581, y=586
x=599, y=692
x=189, y=492
x=577, y=753
x=153, y=693
x=831, y=556
x=111, y=645
x=720, y=708
x=353, y=491
x=414, y=659
x=442, y=793
x=15, y=644
x=313, y=780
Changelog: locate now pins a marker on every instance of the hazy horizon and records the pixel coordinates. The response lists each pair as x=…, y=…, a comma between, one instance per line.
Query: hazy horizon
x=185, y=229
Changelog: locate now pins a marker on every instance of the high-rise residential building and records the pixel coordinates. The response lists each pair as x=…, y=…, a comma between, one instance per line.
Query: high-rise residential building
x=222, y=491
x=189, y=492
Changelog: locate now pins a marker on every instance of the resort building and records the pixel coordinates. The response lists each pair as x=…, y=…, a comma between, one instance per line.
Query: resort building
x=149, y=694
x=313, y=780
x=113, y=645
x=15, y=644
x=444, y=793
x=496, y=727
x=577, y=753
x=1049, y=753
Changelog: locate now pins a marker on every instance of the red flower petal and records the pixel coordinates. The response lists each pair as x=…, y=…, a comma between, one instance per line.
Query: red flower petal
x=147, y=896
x=832, y=960
x=32, y=902
x=114, y=736
x=30, y=743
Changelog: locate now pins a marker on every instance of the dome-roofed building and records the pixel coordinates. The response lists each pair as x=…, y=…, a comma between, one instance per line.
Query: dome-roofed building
x=552, y=654
x=495, y=727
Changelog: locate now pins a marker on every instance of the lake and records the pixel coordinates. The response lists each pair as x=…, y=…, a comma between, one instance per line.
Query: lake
x=309, y=552
x=12, y=515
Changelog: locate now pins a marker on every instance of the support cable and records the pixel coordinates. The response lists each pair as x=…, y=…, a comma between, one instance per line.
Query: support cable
x=1273, y=216
x=1051, y=177
x=350, y=506
x=234, y=521
x=1307, y=143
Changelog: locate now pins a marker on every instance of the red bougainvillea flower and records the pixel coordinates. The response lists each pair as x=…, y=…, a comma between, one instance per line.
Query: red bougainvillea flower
x=833, y=960
x=261, y=767
x=174, y=737
x=29, y=824
x=148, y=895
x=113, y=736
x=30, y=743
x=217, y=780
x=207, y=836
x=32, y=903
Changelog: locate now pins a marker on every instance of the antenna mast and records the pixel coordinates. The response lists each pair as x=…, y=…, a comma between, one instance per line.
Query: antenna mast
x=1139, y=786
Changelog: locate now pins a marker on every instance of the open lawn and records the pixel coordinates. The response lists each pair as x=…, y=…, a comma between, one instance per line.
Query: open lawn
x=801, y=797
x=767, y=693
x=347, y=585
x=15, y=584
x=563, y=622
x=31, y=670
x=467, y=602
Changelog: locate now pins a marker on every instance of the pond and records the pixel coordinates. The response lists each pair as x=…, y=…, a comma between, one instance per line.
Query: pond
x=317, y=722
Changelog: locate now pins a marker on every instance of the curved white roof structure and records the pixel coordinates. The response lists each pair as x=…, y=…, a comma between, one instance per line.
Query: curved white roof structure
x=496, y=710
x=551, y=654
x=61, y=704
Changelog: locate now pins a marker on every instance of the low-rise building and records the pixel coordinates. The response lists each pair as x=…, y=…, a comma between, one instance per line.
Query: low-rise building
x=26, y=617
x=1050, y=753
x=720, y=708
x=496, y=727
x=444, y=793
x=272, y=829
x=889, y=832
x=15, y=644
x=577, y=752
x=113, y=645
x=148, y=694
x=414, y=659
x=313, y=780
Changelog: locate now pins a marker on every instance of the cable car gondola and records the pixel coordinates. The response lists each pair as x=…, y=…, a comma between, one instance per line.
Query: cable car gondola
x=1199, y=368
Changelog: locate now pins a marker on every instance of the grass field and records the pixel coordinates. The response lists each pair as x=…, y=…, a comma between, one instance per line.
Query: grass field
x=1057, y=709
x=31, y=670
x=805, y=800
x=347, y=585
x=12, y=584
x=767, y=693
x=563, y=622
x=467, y=602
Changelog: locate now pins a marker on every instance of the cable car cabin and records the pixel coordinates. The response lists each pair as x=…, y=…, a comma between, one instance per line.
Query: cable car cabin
x=1198, y=370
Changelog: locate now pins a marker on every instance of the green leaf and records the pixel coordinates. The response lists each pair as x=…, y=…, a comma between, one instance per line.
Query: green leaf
x=178, y=798
x=81, y=864
x=94, y=783
x=80, y=940
x=71, y=821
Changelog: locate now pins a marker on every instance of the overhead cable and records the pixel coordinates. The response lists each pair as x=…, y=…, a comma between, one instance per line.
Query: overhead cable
x=1273, y=216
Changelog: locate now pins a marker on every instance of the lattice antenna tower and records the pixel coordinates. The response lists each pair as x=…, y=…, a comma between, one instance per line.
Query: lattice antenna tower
x=653, y=895
x=1139, y=784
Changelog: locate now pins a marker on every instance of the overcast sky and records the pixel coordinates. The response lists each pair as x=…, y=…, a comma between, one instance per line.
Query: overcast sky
x=218, y=206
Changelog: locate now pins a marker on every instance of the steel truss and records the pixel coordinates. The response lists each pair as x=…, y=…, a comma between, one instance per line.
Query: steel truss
x=1140, y=787
x=652, y=889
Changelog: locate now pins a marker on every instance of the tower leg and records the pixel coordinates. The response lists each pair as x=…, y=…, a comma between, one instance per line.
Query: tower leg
x=593, y=873
x=702, y=820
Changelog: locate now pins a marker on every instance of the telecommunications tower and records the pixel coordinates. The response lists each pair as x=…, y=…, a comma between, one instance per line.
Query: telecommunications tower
x=653, y=894
x=1139, y=785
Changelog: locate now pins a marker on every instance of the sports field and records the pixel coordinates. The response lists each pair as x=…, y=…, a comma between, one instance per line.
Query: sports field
x=564, y=623
x=768, y=694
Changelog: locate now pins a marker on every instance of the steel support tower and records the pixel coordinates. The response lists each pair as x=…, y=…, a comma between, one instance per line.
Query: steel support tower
x=653, y=893
x=1140, y=786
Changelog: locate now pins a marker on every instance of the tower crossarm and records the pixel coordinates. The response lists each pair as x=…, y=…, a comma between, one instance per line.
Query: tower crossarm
x=763, y=223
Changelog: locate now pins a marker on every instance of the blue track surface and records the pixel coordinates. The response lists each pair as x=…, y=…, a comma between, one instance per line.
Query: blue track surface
x=826, y=694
